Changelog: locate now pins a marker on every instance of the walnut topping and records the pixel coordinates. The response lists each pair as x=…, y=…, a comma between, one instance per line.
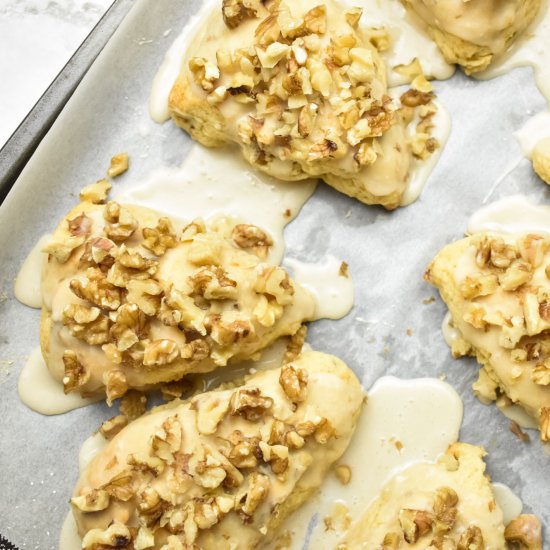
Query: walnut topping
x=445, y=509
x=121, y=223
x=113, y=426
x=62, y=247
x=245, y=452
x=160, y=352
x=295, y=345
x=81, y=226
x=495, y=252
x=133, y=404
x=519, y=273
x=525, y=530
x=129, y=327
x=119, y=165
x=274, y=282
x=146, y=463
x=480, y=285
x=211, y=410
x=96, y=289
x=541, y=375
x=258, y=488
x=250, y=236
x=294, y=383
x=209, y=469
x=250, y=403
x=96, y=193
x=227, y=329
x=75, y=373
x=160, y=238
x=86, y=323
x=471, y=539
x=343, y=474
x=146, y=294
x=415, y=524
x=167, y=440
x=116, y=385
x=415, y=98
x=213, y=283
x=99, y=251
x=180, y=310
x=205, y=73
x=94, y=501
x=116, y=536
x=236, y=11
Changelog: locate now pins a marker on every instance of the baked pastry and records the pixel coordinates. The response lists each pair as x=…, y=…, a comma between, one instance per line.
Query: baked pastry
x=223, y=469
x=301, y=89
x=133, y=299
x=541, y=159
x=471, y=33
x=497, y=289
x=446, y=505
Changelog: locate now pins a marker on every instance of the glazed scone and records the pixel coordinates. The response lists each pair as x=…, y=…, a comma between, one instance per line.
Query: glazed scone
x=133, y=299
x=541, y=159
x=301, y=89
x=223, y=469
x=471, y=33
x=439, y=506
x=497, y=289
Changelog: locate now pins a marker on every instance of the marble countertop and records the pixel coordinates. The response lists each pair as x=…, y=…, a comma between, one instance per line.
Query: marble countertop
x=37, y=38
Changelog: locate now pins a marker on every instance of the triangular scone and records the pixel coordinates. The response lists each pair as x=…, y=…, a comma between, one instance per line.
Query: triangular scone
x=472, y=33
x=448, y=505
x=497, y=289
x=133, y=299
x=301, y=89
x=223, y=469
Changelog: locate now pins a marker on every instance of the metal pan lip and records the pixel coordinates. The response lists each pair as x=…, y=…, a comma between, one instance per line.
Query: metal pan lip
x=21, y=145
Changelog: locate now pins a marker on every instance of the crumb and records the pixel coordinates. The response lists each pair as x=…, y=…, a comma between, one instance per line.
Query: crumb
x=515, y=428
x=343, y=474
x=328, y=523
x=344, y=270
x=429, y=300
x=443, y=377
x=348, y=214
x=398, y=444
x=409, y=332
x=287, y=213
x=119, y=165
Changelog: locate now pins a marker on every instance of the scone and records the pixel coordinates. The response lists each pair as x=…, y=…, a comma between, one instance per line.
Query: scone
x=301, y=89
x=497, y=289
x=471, y=33
x=541, y=159
x=133, y=299
x=446, y=505
x=223, y=469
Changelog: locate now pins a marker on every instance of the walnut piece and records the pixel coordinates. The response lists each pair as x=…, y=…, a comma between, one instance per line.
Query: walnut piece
x=94, y=501
x=250, y=403
x=116, y=536
x=119, y=165
x=294, y=383
x=525, y=530
x=160, y=238
x=113, y=426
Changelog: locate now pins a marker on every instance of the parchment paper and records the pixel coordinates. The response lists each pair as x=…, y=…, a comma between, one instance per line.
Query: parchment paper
x=387, y=254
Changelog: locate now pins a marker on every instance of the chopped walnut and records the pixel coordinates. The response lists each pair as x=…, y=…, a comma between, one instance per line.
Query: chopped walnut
x=524, y=530
x=541, y=375
x=227, y=329
x=160, y=352
x=415, y=524
x=160, y=238
x=62, y=247
x=94, y=501
x=121, y=223
x=249, y=236
x=129, y=327
x=343, y=474
x=295, y=345
x=258, y=488
x=205, y=73
x=245, y=452
x=96, y=193
x=415, y=98
x=87, y=323
x=180, y=310
x=146, y=294
x=481, y=285
x=96, y=289
x=519, y=273
x=119, y=165
x=81, y=226
x=471, y=539
x=236, y=11
x=211, y=410
x=75, y=373
x=99, y=251
x=544, y=423
x=214, y=283
x=116, y=536
x=167, y=440
x=294, y=383
x=274, y=281
x=250, y=403
x=113, y=426
x=445, y=509
x=145, y=463
x=116, y=385
x=133, y=404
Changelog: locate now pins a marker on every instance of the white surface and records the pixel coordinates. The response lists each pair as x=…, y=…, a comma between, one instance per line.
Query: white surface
x=37, y=38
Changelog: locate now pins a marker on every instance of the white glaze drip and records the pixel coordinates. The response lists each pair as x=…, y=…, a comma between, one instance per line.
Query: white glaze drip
x=90, y=448
x=171, y=66
x=516, y=214
x=42, y=393
x=213, y=184
x=422, y=415
x=509, y=503
x=450, y=333
x=421, y=169
x=29, y=279
x=535, y=129
x=530, y=50
x=333, y=292
x=408, y=40
x=516, y=414
x=69, y=538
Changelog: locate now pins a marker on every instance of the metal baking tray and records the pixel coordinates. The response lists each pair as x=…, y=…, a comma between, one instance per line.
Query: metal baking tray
x=387, y=254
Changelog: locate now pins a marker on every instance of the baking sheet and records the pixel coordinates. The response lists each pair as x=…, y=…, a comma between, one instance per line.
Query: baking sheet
x=387, y=254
